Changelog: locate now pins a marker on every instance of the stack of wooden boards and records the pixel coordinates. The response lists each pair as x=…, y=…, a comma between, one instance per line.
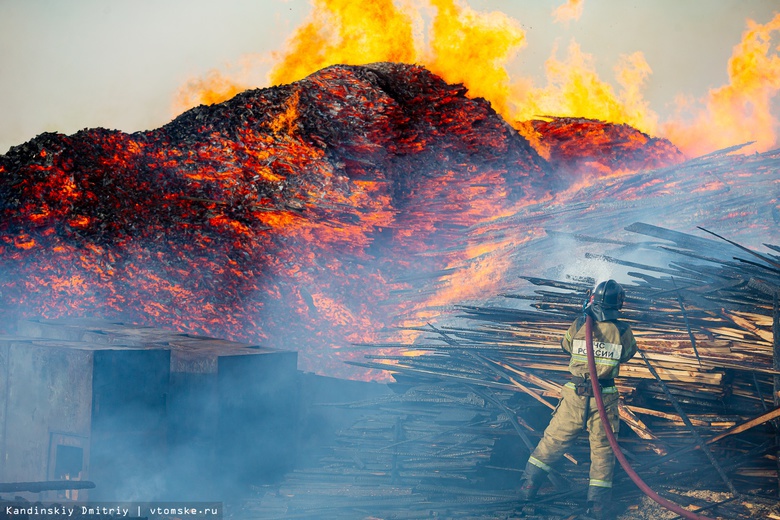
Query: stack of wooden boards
x=705, y=379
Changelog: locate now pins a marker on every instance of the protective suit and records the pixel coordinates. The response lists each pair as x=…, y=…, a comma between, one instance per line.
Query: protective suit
x=613, y=344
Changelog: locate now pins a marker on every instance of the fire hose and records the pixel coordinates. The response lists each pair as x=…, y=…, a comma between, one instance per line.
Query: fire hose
x=611, y=436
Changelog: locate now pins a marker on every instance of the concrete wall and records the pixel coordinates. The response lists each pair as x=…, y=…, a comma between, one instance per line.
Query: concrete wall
x=46, y=401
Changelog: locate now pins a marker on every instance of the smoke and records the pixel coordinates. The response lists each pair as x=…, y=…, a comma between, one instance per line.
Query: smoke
x=211, y=88
x=176, y=420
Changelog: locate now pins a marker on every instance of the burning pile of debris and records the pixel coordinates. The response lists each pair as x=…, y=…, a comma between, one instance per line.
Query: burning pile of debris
x=600, y=148
x=309, y=202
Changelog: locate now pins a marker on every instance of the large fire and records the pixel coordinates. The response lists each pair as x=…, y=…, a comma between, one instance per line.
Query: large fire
x=465, y=46
x=351, y=198
x=284, y=215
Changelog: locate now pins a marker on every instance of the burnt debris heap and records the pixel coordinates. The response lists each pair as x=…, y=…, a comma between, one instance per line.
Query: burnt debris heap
x=301, y=202
x=236, y=218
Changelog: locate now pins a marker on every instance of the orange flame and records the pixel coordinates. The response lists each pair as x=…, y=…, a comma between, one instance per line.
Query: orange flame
x=286, y=121
x=215, y=87
x=575, y=90
x=485, y=267
x=473, y=48
x=464, y=47
x=571, y=10
x=742, y=110
x=347, y=33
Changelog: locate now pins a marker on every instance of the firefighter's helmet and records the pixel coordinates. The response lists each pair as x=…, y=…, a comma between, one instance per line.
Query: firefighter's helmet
x=607, y=300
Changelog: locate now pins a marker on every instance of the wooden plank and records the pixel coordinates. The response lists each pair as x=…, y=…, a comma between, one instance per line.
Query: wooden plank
x=747, y=325
x=752, y=423
x=640, y=428
x=681, y=239
x=664, y=415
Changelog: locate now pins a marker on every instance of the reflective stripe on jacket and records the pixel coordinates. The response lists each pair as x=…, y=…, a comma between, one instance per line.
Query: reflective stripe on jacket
x=613, y=343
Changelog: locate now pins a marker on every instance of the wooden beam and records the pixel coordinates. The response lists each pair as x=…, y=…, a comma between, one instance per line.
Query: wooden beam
x=769, y=261
x=752, y=423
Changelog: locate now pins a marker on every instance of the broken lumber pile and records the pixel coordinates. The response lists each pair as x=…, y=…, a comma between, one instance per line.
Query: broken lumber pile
x=471, y=399
x=704, y=324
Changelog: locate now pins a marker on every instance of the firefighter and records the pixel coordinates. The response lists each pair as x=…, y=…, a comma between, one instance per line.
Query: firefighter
x=613, y=343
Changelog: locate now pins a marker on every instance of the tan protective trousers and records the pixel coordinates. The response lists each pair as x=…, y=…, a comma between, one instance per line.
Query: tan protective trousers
x=566, y=424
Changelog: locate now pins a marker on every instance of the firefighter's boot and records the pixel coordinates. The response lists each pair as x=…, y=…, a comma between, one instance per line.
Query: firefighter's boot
x=532, y=480
x=599, y=504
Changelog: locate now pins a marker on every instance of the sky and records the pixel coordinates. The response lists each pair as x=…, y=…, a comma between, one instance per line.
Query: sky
x=66, y=65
